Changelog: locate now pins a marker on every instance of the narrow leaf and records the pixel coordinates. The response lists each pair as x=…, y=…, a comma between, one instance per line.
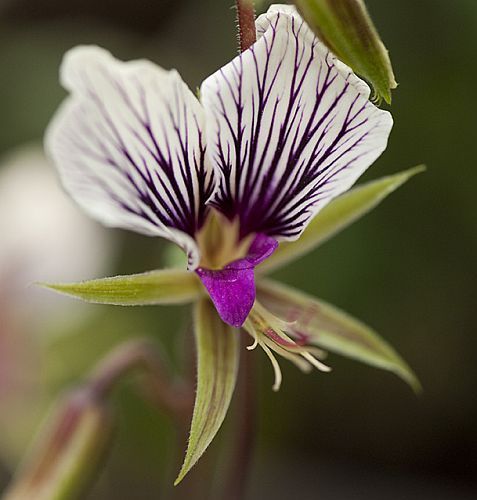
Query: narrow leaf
x=332, y=329
x=337, y=215
x=217, y=365
x=155, y=287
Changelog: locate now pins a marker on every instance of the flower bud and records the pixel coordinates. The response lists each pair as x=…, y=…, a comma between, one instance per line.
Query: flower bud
x=65, y=458
x=347, y=29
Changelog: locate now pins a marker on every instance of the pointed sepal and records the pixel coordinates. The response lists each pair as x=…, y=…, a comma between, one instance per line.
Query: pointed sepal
x=217, y=365
x=337, y=215
x=331, y=329
x=169, y=286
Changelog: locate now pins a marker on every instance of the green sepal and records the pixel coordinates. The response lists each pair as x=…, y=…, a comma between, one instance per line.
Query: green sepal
x=345, y=26
x=334, y=330
x=217, y=366
x=338, y=214
x=169, y=286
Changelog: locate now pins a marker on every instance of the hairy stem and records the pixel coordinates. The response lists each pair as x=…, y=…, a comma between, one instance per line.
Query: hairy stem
x=247, y=33
x=245, y=430
x=142, y=357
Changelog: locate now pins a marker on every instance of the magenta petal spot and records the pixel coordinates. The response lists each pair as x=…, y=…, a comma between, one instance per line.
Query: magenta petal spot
x=261, y=248
x=232, y=289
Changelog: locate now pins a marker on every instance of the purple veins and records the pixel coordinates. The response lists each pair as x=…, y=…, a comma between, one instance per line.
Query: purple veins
x=289, y=128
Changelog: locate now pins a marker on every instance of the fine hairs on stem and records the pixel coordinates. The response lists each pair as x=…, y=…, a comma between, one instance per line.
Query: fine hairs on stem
x=247, y=35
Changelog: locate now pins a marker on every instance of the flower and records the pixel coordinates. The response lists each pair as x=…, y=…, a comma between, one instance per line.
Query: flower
x=282, y=129
x=278, y=133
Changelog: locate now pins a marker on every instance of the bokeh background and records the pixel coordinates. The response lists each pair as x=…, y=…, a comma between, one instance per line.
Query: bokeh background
x=408, y=269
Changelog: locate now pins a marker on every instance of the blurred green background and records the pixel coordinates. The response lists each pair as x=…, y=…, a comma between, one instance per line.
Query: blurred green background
x=408, y=269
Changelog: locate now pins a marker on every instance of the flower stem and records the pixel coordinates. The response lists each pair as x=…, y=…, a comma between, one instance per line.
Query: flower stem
x=245, y=430
x=141, y=356
x=247, y=33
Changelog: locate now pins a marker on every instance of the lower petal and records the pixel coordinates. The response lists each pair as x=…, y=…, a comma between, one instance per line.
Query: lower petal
x=232, y=289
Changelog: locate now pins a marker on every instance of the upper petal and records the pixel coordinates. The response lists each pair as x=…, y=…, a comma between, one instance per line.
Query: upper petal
x=265, y=21
x=289, y=127
x=129, y=146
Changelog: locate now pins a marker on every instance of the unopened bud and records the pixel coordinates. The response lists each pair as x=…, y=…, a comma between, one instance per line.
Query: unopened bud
x=347, y=29
x=66, y=456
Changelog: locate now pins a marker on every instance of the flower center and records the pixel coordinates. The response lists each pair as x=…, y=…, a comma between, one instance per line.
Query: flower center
x=219, y=241
x=227, y=266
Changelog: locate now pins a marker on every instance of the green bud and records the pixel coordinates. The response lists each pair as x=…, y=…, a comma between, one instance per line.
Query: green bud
x=347, y=29
x=64, y=460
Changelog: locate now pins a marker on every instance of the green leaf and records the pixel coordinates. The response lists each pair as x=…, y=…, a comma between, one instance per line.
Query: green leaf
x=345, y=26
x=155, y=287
x=218, y=358
x=334, y=330
x=338, y=214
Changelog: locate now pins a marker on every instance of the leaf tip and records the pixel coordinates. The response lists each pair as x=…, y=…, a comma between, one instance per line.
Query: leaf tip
x=415, y=384
x=402, y=177
x=179, y=478
x=56, y=287
x=407, y=375
x=419, y=169
x=185, y=469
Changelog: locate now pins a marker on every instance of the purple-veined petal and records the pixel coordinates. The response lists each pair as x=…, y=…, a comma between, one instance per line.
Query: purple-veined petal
x=289, y=127
x=129, y=146
x=232, y=289
x=264, y=22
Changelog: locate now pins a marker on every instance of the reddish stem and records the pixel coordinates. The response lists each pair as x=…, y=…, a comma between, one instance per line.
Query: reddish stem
x=245, y=428
x=247, y=33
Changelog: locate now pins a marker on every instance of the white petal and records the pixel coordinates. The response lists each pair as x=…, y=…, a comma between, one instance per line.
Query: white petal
x=265, y=21
x=128, y=144
x=288, y=128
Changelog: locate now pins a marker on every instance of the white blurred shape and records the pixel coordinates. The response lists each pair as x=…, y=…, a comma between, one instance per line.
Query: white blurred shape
x=43, y=235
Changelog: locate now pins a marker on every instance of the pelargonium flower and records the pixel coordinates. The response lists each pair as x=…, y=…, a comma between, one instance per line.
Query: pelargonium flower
x=230, y=177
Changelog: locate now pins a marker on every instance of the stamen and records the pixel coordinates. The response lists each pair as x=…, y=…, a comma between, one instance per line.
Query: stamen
x=317, y=352
x=294, y=358
x=276, y=337
x=269, y=332
x=275, y=365
x=317, y=364
x=253, y=334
